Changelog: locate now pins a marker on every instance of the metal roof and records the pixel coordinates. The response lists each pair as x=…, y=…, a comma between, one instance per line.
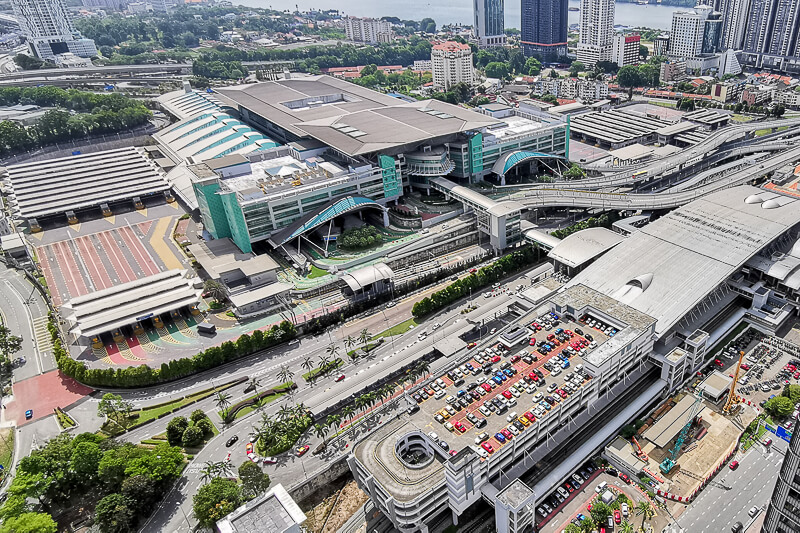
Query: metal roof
x=667, y=267
x=350, y=118
x=582, y=246
x=511, y=159
x=358, y=279
x=668, y=426
x=127, y=303
x=53, y=186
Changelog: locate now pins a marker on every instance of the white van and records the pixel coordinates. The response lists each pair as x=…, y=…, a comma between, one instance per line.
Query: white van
x=511, y=416
x=439, y=395
x=601, y=487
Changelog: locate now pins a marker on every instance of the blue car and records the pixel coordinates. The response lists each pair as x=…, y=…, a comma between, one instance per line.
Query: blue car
x=462, y=393
x=581, y=517
x=502, y=376
x=508, y=372
x=545, y=405
x=497, y=380
x=565, y=364
x=500, y=438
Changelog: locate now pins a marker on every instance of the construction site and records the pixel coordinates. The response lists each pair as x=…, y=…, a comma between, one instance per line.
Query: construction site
x=687, y=439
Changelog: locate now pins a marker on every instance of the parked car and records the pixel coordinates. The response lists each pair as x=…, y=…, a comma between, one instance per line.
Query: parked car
x=302, y=450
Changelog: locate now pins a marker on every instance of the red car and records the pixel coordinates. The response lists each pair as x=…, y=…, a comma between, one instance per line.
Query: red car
x=569, y=333
x=533, y=376
x=625, y=478
x=471, y=345
x=473, y=270
x=562, y=393
x=459, y=426
x=515, y=358
x=488, y=447
x=302, y=450
x=507, y=434
x=796, y=375
x=340, y=378
x=617, y=517
x=486, y=387
x=589, y=507
x=533, y=341
x=496, y=359
x=718, y=363
x=530, y=416
x=536, y=326
x=507, y=394
x=745, y=366
x=734, y=465
x=453, y=452
x=569, y=487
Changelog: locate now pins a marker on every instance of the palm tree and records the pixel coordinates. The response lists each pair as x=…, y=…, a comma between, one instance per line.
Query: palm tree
x=333, y=421
x=333, y=351
x=223, y=400
x=307, y=364
x=646, y=511
x=254, y=383
x=423, y=367
x=321, y=431
x=348, y=412
x=208, y=472
x=285, y=374
x=223, y=468
x=215, y=289
x=350, y=341
x=285, y=413
x=364, y=337
x=625, y=527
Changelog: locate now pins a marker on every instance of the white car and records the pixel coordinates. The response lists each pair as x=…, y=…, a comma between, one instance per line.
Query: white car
x=481, y=452
x=253, y=457
x=513, y=429
x=484, y=410
x=492, y=331
x=434, y=437
x=513, y=390
x=436, y=326
x=481, y=391
x=481, y=437
x=624, y=509
x=753, y=511
x=270, y=460
x=538, y=398
x=479, y=359
x=487, y=294
x=480, y=380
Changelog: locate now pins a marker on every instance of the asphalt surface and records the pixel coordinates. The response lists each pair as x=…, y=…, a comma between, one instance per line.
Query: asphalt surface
x=715, y=510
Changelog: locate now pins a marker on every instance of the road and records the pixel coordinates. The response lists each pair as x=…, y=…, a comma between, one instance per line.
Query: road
x=717, y=509
x=174, y=514
x=24, y=312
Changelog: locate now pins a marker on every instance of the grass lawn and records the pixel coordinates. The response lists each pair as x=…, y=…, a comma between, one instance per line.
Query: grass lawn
x=363, y=350
x=308, y=376
x=767, y=131
x=64, y=420
x=155, y=411
x=398, y=329
x=665, y=104
x=6, y=446
x=250, y=408
x=317, y=272
x=740, y=118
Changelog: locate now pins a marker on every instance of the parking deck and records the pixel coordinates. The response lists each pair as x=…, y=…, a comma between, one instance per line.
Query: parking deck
x=521, y=402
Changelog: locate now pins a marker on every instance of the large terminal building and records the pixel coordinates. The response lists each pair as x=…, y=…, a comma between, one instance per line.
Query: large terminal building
x=303, y=150
x=670, y=291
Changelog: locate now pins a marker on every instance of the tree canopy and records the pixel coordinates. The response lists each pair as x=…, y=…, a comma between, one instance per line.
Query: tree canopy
x=215, y=500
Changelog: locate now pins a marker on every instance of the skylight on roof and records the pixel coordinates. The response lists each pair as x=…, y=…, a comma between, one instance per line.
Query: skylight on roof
x=357, y=133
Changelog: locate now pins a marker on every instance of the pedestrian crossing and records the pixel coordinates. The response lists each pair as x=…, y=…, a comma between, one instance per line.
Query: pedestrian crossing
x=44, y=342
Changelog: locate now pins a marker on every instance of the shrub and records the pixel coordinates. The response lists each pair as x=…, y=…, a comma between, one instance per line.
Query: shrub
x=192, y=437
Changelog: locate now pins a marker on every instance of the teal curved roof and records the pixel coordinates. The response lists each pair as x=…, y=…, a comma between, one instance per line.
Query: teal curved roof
x=326, y=214
x=508, y=161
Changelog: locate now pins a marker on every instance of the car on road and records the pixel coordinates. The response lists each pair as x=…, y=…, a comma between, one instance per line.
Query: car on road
x=253, y=457
x=249, y=448
x=734, y=465
x=617, y=517
x=340, y=378
x=753, y=511
x=270, y=460
x=28, y=414
x=231, y=441
x=294, y=341
x=302, y=450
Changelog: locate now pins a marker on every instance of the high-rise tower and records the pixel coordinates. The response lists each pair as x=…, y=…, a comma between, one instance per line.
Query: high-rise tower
x=544, y=28
x=489, y=27
x=48, y=29
x=596, y=31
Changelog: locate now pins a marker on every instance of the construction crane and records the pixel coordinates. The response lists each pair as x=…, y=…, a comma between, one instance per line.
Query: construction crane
x=638, y=450
x=732, y=394
x=669, y=462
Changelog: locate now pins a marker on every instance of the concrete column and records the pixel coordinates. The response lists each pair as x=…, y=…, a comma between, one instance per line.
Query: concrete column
x=455, y=518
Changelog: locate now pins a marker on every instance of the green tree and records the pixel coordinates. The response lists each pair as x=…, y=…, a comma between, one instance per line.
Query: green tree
x=625, y=527
x=215, y=289
x=205, y=425
x=628, y=77
x=645, y=510
x=254, y=481
x=9, y=343
x=197, y=415
x=576, y=68
x=779, y=406
x=85, y=460
x=163, y=464
x=114, y=515
x=30, y=523
x=600, y=512
x=141, y=493
x=572, y=528
x=643, y=52
x=532, y=66
x=496, y=69
x=428, y=25
x=215, y=500
x=113, y=407
x=175, y=430
x=222, y=400
x=192, y=436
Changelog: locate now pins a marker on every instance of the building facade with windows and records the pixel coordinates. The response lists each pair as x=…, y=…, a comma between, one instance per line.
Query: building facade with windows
x=596, y=38
x=625, y=50
x=451, y=63
x=489, y=23
x=783, y=513
x=48, y=29
x=544, y=28
x=367, y=30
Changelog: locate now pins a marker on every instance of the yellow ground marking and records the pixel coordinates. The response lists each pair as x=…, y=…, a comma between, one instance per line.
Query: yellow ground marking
x=143, y=212
x=167, y=336
x=38, y=235
x=110, y=219
x=147, y=345
x=102, y=354
x=161, y=248
x=184, y=328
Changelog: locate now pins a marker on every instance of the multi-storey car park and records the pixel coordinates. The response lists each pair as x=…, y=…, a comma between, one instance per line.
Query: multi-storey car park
x=663, y=296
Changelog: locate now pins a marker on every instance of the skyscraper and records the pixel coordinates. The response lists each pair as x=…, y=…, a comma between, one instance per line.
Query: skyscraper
x=452, y=63
x=489, y=27
x=48, y=29
x=772, y=38
x=734, y=17
x=695, y=32
x=596, y=31
x=544, y=28
x=783, y=513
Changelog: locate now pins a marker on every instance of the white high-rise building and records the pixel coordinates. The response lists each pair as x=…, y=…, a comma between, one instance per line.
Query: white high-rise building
x=688, y=29
x=595, y=42
x=489, y=26
x=625, y=49
x=452, y=63
x=47, y=27
x=368, y=30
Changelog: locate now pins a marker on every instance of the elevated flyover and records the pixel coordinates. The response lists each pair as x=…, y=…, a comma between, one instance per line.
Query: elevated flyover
x=694, y=154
